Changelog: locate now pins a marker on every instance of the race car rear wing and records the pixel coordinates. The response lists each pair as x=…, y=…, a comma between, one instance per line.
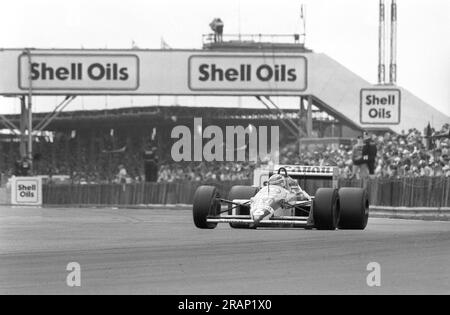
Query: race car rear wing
x=261, y=175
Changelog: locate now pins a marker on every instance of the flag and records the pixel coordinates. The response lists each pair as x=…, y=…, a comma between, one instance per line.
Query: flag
x=164, y=45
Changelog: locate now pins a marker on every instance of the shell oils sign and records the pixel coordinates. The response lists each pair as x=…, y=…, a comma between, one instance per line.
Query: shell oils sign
x=79, y=72
x=380, y=106
x=26, y=191
x=247, y=73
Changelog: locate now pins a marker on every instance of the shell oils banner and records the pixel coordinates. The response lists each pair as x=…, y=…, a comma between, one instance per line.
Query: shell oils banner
x=26, y=191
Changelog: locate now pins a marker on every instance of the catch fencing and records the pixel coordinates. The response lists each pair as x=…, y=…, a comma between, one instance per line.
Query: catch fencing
x=405, y=192
x=128, y=194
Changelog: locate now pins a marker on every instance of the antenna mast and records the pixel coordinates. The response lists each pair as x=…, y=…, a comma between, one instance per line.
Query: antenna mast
x=381, y=45
x=393, y=64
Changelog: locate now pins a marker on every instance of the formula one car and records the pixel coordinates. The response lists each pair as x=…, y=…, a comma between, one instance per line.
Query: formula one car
x=281, y=202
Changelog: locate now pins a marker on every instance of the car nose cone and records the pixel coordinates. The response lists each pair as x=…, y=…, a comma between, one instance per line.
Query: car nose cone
x=260, y=213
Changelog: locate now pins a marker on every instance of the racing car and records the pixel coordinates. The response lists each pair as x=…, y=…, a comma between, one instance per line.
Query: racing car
x=280, y=202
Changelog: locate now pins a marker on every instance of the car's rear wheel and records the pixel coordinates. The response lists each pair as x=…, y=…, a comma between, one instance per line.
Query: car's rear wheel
x=206, y=203
x=354, y=208
x=240, y=192
x=326, y=207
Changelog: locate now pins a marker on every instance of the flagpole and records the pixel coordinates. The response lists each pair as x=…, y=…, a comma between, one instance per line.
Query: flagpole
x=303, y=21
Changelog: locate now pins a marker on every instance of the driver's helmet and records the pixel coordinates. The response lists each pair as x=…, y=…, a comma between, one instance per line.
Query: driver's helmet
x=278, y=180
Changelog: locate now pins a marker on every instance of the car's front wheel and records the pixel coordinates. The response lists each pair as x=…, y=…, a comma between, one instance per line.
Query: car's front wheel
x=206, y=203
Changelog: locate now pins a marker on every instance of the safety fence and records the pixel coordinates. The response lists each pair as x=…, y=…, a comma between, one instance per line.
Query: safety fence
x=406, y=192
x=128, y=194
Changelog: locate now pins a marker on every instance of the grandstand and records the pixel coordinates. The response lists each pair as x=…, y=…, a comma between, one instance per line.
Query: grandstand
x=96, y=142
x=89, y=145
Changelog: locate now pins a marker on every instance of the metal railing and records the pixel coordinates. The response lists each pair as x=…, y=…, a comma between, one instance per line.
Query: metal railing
x=256, y=38
x=404, y=192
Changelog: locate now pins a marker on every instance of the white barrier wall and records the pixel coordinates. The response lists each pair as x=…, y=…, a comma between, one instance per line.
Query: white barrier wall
x=5, y=196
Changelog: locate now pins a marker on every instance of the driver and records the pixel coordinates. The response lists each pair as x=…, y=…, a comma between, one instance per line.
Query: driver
x=278, y=180
x=289, y=184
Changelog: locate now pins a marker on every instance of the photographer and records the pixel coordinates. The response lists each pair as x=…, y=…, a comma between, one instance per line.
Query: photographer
x=369, y=153
x=359, y=166
x=151, y=160
x=22, y=167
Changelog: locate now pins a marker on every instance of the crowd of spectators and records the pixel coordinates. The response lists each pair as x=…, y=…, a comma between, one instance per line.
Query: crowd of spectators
x=408, y=154
x=205, y=171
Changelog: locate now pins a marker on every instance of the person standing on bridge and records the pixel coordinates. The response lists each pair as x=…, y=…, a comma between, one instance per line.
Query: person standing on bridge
x=217, y=27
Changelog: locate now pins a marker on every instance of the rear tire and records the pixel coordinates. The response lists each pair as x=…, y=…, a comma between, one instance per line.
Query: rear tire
x=354, y=208
x=326, y=209
x=241, y=192
x=206, y=204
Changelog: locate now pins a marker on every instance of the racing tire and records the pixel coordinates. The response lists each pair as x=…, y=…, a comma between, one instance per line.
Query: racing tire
x=240, y=192
x=326, y=208
x=206, y=203
x=354, y=208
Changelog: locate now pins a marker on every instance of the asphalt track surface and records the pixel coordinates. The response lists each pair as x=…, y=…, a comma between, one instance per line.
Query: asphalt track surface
x=125, y=251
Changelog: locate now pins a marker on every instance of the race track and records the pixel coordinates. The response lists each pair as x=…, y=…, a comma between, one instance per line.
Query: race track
x=161, y=252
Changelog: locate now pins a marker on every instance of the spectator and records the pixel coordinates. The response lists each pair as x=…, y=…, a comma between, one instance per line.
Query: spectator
x=121, y=177
x=369, y=153
x=357, y=158
x=217, y=27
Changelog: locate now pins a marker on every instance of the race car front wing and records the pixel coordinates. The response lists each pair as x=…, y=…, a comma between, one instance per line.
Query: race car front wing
x=274, y=221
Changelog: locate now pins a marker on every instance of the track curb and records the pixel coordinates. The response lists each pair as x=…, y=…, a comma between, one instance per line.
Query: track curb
x=416, y=213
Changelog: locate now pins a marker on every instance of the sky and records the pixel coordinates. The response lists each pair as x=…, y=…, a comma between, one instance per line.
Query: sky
x=346, y=30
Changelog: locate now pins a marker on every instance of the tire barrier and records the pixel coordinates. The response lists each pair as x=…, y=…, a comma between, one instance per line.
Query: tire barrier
x=407, y=192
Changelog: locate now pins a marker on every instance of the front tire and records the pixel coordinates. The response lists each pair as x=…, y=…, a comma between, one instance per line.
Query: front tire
x=354, y=208
x=326, y=209
x=206, y=203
